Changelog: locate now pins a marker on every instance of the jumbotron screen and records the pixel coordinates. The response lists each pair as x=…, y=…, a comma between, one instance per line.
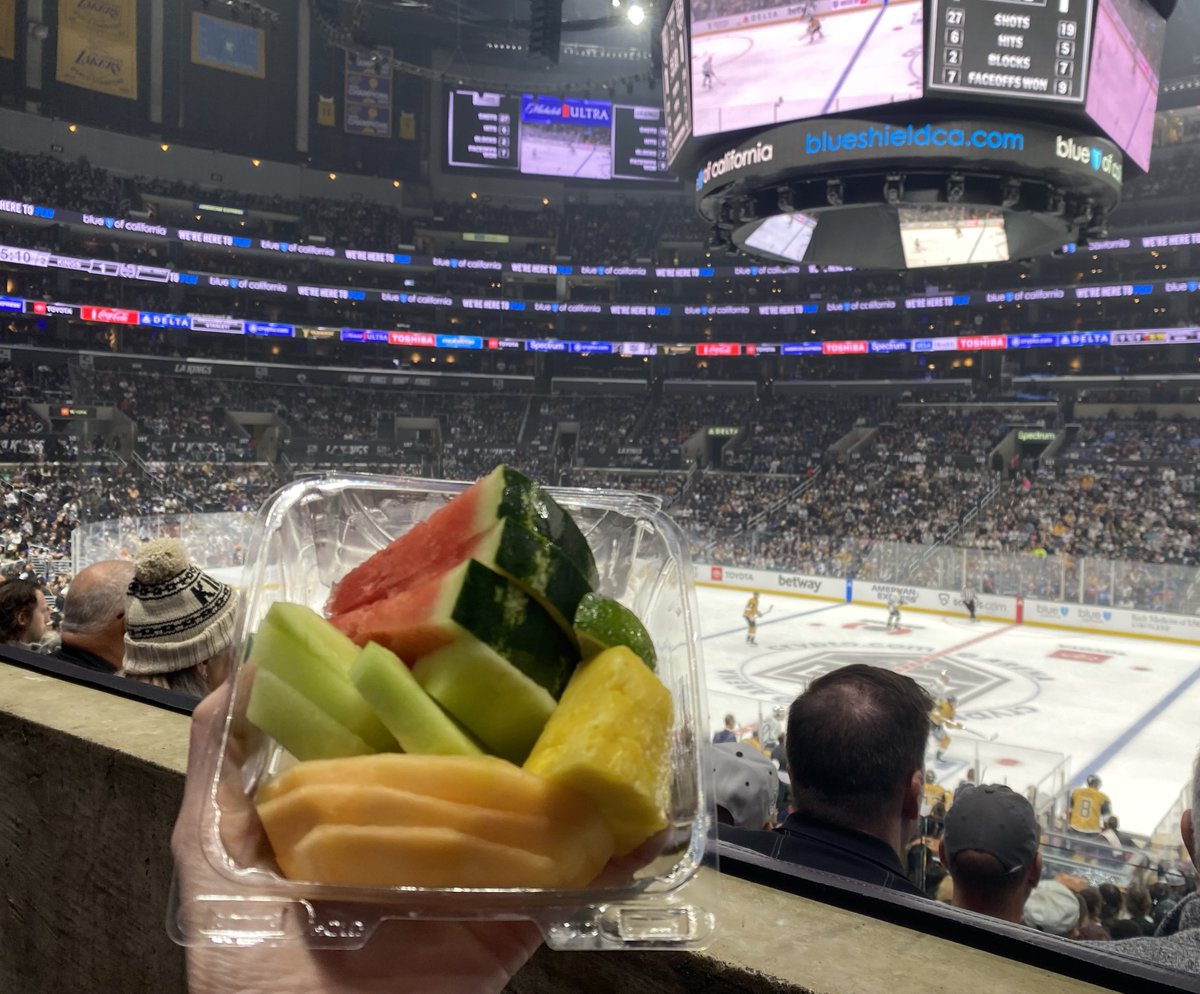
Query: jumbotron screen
x=951, y=235
x=538, y=135
x=1127, y=50
x=801, y=60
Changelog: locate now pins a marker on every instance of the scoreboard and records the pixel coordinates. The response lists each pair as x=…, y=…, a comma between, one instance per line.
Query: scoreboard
x=556, y=136
x=676, y=78
x=1015, y=49
x=483, y=129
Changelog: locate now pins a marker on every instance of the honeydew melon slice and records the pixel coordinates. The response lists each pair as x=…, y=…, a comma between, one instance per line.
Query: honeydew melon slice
x=409, y=713
x=296, y=723
x=470, y=599
x=301, y=648
x=601, y=623
x=499, y=704
x=451, y=533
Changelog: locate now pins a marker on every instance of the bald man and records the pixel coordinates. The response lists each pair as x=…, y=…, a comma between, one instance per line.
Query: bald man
x=93, y=621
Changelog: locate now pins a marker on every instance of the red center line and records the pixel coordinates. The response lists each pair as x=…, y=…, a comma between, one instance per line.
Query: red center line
x=913, y=664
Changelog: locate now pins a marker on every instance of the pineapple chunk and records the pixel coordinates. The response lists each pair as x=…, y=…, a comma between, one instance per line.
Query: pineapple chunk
x=609, y=738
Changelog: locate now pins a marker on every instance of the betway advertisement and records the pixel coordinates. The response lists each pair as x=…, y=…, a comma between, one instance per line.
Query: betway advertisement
x=825, y=588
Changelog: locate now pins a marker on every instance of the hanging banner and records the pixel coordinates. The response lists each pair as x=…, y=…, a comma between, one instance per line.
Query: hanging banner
x=8, y=29
x=326, y=112
x=97, y=46
x=221, y=44
x=368, y=108
x=408, y=126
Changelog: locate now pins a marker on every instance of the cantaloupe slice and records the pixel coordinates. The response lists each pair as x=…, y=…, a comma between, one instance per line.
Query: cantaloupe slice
x=577, y=841
x=382, y=856
x=464, y=779
x=609, y=738
x=432, y=821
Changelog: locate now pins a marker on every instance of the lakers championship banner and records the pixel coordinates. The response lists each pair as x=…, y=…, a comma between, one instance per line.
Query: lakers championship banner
x=8, y=29
x=97, y=46
x=368, y=106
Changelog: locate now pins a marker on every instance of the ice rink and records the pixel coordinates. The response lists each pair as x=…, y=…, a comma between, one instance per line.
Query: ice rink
x=558, y=158
x=1120, y=707
x=772, y=73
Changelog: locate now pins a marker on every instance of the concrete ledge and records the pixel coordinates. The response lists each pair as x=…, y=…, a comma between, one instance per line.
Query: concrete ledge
x=89, y=787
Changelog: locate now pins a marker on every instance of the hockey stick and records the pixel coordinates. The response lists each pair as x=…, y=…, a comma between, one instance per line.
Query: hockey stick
x=980, y=735
x=770, y=608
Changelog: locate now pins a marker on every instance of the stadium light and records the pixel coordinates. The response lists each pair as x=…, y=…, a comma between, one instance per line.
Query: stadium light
x=635, y=14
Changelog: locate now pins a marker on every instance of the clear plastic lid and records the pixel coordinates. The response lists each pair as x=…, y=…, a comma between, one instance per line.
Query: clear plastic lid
x=307, y=537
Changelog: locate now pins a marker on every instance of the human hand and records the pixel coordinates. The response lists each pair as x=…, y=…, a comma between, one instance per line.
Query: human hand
x=402, y=957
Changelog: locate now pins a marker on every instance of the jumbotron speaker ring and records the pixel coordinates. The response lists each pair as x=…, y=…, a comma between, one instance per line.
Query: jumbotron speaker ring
x=859, y=192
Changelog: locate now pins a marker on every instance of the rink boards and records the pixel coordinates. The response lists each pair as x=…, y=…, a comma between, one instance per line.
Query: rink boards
x=1085, y=618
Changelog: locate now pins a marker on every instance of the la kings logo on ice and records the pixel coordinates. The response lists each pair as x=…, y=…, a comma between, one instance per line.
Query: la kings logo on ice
x=986, y=686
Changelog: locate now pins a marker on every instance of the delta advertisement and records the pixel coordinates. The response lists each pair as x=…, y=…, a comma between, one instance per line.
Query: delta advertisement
x=97, y=46
x=990, y=607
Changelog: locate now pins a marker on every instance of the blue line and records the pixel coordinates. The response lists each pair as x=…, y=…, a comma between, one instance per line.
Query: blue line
x=763, y=624
x=1134, y=730
x=854, y=58
x=585, y=161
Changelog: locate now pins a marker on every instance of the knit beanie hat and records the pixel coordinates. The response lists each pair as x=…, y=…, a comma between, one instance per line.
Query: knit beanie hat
x=176, y=616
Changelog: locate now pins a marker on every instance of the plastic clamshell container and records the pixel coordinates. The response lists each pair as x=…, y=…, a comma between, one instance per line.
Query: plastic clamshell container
x=307, y=536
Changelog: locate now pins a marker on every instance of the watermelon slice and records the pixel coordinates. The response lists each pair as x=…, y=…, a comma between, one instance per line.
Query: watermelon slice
x=452, y=534
x=471, y=598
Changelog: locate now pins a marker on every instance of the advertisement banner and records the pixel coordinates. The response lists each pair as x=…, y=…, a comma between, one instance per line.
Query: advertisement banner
x=8, y=29
x=368, y=109
x=97, y=46
x=1114, y=620
x=770, y=581
x=221, y=44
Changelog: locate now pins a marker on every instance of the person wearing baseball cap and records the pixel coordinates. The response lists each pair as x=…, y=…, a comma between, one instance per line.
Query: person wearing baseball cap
x=745, y=784
x=1054, y=909
x=178, y=622
x=990, y=848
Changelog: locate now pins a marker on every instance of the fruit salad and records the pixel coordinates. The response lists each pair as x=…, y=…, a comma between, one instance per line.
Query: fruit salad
x=469, y=711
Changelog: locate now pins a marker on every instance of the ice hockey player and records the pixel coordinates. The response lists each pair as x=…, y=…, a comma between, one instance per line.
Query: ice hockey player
x=942, y=718
x=709, y=77
x=893, y=606
x=814, y=31
x=1089, y=806
x=751, y=614
x=935, y=793
x=968, y=599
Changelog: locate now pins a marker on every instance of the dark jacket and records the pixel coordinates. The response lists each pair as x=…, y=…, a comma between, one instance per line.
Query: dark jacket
x=1176, y=944
x=826, y=847
x=82, y=657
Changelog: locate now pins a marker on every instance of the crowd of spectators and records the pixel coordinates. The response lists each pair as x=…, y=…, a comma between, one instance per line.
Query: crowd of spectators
x=767, y=493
